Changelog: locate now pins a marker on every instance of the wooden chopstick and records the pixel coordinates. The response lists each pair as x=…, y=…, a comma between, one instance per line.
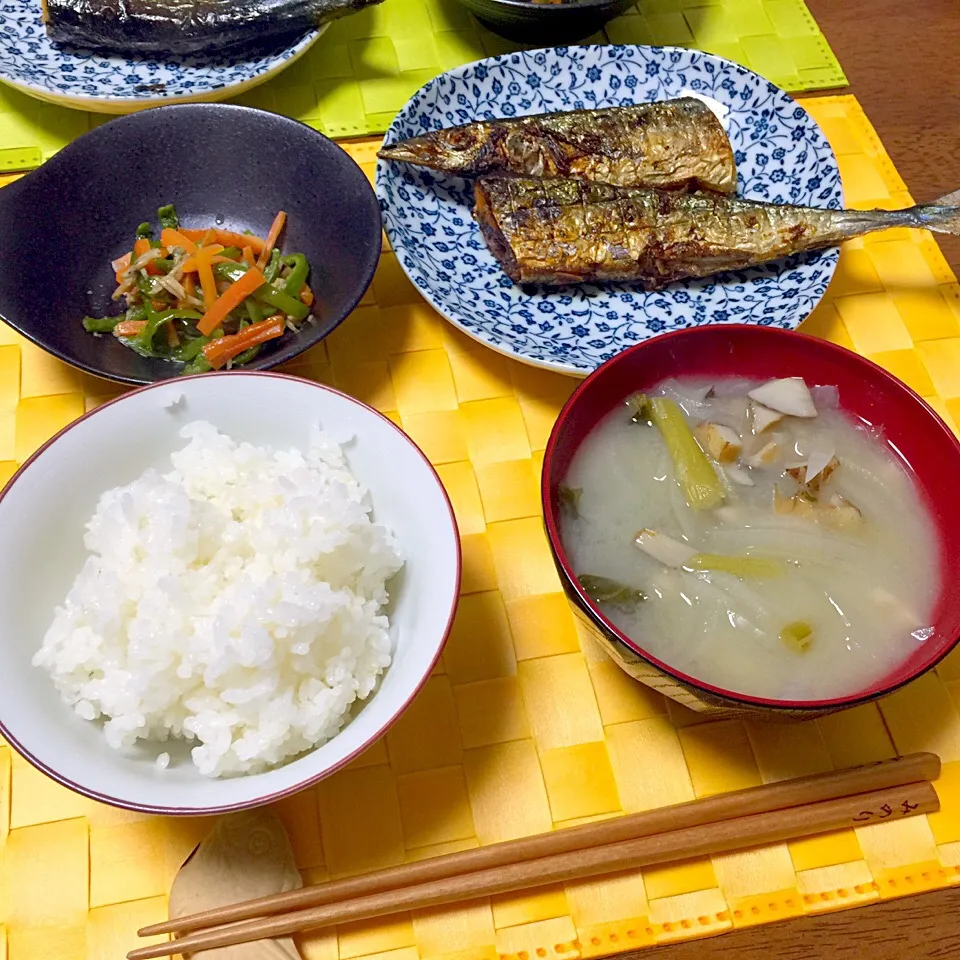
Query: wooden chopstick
x=704, y=839
x=774, y=796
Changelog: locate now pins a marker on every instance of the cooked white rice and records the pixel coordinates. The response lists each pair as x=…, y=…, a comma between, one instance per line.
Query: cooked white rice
x=236, y=601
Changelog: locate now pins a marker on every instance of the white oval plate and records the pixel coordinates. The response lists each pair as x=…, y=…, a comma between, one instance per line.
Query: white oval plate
x=103, y=83
x=782, y=157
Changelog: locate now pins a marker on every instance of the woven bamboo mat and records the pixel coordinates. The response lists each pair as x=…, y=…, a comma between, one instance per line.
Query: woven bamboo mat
x=363, y=70
x=520, y=730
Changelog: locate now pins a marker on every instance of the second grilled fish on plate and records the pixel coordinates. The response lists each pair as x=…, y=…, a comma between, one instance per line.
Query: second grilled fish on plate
x=568, y=231
x=669, y=144
x=186, y=26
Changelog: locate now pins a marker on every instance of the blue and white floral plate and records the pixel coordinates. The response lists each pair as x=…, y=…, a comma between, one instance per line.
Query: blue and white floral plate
x=88, y=80
x=782, y=157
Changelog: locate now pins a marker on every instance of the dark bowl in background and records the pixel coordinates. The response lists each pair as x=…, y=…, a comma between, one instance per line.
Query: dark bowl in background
x=867, y=392
x=546, y=24
x=220, y=165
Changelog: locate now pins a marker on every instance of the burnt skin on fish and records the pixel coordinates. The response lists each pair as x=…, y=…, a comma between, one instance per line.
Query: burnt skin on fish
x=671, y=144
x=187, y=26
x=568, y=231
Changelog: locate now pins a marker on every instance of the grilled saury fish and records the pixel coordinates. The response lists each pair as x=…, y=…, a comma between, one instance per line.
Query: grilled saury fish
x=568, y=231
x=671, y=144
x=186, y=26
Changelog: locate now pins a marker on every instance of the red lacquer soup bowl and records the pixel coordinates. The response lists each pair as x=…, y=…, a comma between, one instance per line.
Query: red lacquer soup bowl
x=867, y=393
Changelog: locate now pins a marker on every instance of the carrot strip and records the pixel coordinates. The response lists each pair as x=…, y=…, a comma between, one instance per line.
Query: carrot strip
x=232, y=297
x=174, y=238
x=121, y=263
x=129, y=328
x=221, y=351
x=190, y=264
x=227, y=237
x=306, y=296
x=189, y=287
x=278, y=221
x=207, y=283
x=173, y=338
x=248, y=255
x=230, y=239
x=140, y=247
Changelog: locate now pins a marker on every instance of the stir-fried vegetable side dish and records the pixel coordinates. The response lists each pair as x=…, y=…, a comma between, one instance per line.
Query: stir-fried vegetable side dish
x=753, y=537
x=206, y=298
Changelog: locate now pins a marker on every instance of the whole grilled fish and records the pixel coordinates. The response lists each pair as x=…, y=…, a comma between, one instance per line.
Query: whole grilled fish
x=567, y=231
x=187, y=26
x=672, y=144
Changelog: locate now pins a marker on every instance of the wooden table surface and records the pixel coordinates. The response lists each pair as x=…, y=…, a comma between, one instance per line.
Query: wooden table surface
x=900, y=58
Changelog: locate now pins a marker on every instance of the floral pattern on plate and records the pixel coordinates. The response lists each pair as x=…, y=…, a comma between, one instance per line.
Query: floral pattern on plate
x=91, y=80
x=781, y=155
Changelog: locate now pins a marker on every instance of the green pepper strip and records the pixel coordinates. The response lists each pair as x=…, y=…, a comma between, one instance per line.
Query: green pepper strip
x=200, y=365
x=156, y=320
x=144, y=232
x=283, y=303
x=246, y=356
x=266, y=294
x=145, y=285
x=168, y=217
x=100, y=324
x=191, y=350
x=253, y=310
x=272, y=270
x=137, y=313
x=299, y=269
x=231, y=253
x=134, y=344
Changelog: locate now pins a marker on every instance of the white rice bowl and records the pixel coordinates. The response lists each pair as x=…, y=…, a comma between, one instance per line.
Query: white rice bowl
x=44, y=516
x=236, y=600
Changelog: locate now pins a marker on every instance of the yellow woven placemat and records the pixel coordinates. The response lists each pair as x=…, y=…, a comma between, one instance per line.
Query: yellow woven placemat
x=519, y=730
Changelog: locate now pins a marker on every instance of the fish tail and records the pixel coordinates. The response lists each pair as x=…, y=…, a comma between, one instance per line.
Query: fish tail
x=941, y=216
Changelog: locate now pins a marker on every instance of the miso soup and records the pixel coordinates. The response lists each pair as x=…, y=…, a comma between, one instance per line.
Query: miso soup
x=754, y=537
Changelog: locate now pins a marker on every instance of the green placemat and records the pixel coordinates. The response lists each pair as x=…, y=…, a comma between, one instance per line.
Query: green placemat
x=365, y=67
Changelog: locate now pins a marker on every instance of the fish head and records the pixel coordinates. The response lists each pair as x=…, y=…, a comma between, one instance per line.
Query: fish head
x=455, y=149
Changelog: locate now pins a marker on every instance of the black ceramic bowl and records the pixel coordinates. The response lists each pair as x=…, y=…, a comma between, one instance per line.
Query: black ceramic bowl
x=546, y=24
x=223, y=165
